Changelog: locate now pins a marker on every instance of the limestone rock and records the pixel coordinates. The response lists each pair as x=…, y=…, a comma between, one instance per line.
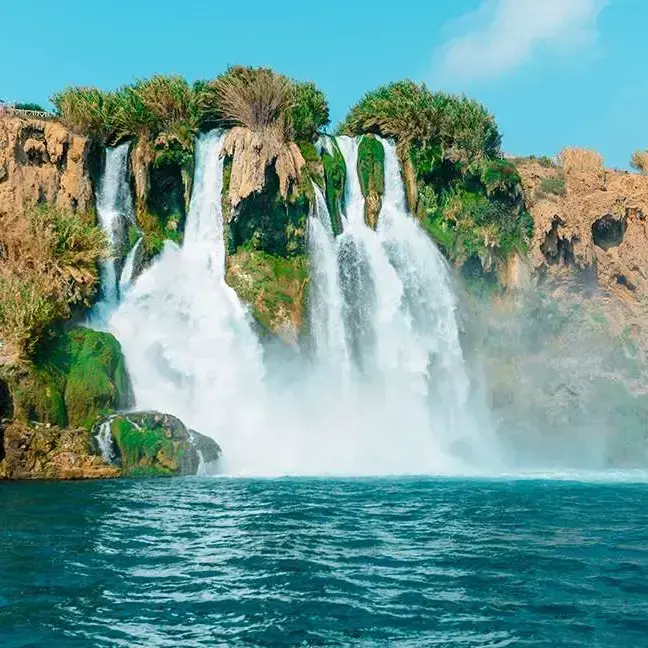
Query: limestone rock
x=591, y=239
x=39, y=451
x=41, y=161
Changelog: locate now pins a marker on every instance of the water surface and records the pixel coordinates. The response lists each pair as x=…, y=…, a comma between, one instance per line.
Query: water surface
x=288, y=562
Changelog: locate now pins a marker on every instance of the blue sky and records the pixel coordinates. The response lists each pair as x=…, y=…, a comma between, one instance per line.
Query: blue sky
x=554, y=72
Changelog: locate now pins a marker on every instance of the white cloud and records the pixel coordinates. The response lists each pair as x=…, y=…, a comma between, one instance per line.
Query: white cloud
x=503, y=35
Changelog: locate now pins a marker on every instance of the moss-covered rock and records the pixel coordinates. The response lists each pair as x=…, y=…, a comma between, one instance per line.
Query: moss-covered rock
x=150, y=444
x=75, y=377
x=266, y=222
x=43, y=451
x=371, y=172
x=335, y=176
x=275, y=287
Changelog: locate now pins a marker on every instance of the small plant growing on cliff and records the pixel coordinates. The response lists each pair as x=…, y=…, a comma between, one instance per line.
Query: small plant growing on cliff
x=552, y=186
x=47, y=266
x=639, y=161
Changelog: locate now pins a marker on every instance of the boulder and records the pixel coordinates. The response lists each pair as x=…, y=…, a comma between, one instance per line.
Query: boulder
x=151, y=444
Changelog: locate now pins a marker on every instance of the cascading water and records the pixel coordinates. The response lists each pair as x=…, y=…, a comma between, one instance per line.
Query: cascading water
x=430, y=304
x=114, y=205
x=186, y=337
x=128, y=270
x=384, y=390
x=327, y=326
x=105, y=442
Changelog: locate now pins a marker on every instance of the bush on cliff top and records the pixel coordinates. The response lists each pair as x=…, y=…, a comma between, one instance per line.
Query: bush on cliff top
x=48, y=265
x=467, y=196
x=461, y=128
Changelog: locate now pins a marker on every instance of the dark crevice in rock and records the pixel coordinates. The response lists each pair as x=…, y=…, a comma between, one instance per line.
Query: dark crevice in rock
x=608, y=231
x=622, y=280
x=61, y=163
x=557, y=248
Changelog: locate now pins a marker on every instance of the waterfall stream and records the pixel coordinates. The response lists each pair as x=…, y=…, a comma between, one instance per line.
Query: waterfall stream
x=114, y=206
x=383, y=391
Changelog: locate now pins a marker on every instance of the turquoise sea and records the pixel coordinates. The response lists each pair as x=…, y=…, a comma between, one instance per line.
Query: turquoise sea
x=317, y=562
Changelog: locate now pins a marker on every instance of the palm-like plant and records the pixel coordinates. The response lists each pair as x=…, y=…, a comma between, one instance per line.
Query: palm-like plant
x=88, y=111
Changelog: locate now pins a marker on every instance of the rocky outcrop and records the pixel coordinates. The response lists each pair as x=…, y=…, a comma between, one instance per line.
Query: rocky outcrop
x=151, y=444
x=43, y=451
x=591, y=234
x=43, y=162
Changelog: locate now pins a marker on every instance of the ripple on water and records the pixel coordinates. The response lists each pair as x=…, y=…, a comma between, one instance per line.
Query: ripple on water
x=288, y=562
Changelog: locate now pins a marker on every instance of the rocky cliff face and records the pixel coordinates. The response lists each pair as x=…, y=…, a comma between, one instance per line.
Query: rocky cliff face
x=591, y=237
x=43, y=162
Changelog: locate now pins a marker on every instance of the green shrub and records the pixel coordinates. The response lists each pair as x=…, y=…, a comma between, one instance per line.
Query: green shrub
x=48, y=266
x=552, y=186
x=371, y=165
x=87, y=111
x=461, y=128
x=309, y=112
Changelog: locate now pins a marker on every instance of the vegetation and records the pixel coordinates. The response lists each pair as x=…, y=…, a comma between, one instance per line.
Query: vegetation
x=139, y=448
x=335, y=180
x=371, y=172
x=275, y=288
x=466, y=195
x=75, y=377
x=552, y=187
x=48, y=266
x=639, y=161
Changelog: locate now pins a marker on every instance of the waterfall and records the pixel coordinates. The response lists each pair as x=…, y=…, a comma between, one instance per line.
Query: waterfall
x=105, y=442
x=114, y=204
x=430, y=304
x=129, y=267
x=325, y=299
x=188, y=343
x=384, y=391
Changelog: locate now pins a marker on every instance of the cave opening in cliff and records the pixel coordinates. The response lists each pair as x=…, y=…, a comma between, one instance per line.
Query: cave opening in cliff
x=608, y=231
x=6, y=404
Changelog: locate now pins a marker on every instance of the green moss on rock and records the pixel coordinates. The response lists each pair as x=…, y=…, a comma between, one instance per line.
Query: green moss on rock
x=371, y=173
x=275, y=287
x=77, y=376
x=266, y=222
x=150, y=444
x=335, y=172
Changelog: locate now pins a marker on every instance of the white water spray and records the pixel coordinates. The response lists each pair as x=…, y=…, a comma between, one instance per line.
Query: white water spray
x=132, y=259
x=325, y=297
x=191, y=351
x=186, y=336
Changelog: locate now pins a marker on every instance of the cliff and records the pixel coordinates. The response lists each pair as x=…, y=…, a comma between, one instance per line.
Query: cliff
x=590, y=236
x=43, y=162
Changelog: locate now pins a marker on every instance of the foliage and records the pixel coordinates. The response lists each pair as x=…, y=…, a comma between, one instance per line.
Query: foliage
x=460, y=128
x=552, y=186
x=639, y=161
x=335, y=178
x=468, y=197
x=254, y=98
x=267, y=223
x=309, y=112
x=371, y=166
x=75, y=376
x=274, y=286
x=30, y=106
x=139, y=447
x=48, y=265
x=87, y=111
